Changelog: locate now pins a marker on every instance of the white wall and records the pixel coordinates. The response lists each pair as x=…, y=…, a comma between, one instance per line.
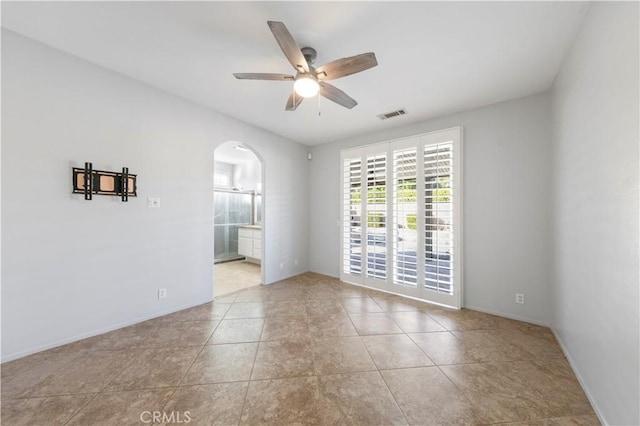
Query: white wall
x=72, y=268
x=506, y=191
x=595, y=206
x=224, y=169
x=248, y=175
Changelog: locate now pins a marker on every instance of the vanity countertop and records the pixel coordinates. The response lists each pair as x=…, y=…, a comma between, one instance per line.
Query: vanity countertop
x=250, y=226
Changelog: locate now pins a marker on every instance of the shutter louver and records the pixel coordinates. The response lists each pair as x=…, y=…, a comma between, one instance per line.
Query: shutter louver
x=377, y=216
x=352, y=220
x=405, y=217
x=438, y=205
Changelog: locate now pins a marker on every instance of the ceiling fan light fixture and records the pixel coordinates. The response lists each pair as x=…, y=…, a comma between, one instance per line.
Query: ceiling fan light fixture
x=306, y=86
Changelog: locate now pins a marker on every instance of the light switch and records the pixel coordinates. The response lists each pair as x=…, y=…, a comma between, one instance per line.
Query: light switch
x=153, y=202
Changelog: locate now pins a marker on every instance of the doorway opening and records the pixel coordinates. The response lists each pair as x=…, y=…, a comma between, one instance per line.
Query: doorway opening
x=238, y=212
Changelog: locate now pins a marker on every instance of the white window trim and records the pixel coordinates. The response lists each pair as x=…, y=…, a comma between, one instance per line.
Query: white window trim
x=454, y=134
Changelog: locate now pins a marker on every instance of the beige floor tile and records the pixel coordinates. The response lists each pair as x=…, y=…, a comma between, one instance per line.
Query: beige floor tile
x=320, y=293
x=182, y=333
x=247, y=310
x=532, y=329
x=254, y=294
x=282, y=401
x=282, y=359
x=88, y=373
x=332, y=325
x=20, y=375
x=122, y=408
x=141, y=335
x=229, y=277
x=222, y=363
x=358, y=399
x=207, y=312
x=374, y=323
x=396, y=303
x=285, y=328
x=292, y=284
x=79, y=346
x=348, y=291
x=237, y=331
x=463, y=319
x=284, y=294
x=590, y=420
x=226, y=298
x=215, y=404
x=415, y=322
x=155, y=368
x=54, y=410
x=288, y=308
x=502, y=392
x=341, y=355
x=395, y=351
x=540, y=347
x=427, y=397
x=318, y=307
x=445, y=348
x=561, y=389
x=360, y=305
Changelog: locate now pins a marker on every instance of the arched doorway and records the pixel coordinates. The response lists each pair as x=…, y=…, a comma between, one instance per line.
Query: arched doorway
x=238, y=218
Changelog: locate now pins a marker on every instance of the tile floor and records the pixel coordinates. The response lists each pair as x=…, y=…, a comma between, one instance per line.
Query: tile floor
x=307, y=350
x=230, y=277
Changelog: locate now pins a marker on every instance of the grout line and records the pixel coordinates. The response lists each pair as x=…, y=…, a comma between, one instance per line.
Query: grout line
x=81, y=408
x=255, y=356
x=384, y=381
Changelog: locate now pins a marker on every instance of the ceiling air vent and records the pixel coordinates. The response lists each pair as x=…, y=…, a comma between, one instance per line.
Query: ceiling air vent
x=393, y=114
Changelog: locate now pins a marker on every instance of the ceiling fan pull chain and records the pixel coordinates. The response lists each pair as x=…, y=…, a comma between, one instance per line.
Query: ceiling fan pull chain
x=319, y=110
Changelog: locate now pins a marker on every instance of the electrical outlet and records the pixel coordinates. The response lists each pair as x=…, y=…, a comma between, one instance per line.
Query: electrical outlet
x=520, y=298
x=162, y=293
x=295, y=262
x=281, y=265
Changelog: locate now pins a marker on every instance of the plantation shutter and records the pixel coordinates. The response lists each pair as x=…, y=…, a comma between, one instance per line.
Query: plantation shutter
x=401, y=218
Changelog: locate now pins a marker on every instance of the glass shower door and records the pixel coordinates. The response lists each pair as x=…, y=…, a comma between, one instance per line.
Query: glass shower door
x=231, y=209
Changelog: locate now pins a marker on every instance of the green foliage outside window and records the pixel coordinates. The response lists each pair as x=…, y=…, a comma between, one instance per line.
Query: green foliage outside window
x=412, y=221
x=407, y=193
x=375, y=220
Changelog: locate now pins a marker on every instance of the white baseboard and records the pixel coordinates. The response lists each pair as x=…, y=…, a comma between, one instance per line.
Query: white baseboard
x=330, y=275
x=579, y=377
x=97, y=332
x=510, y=316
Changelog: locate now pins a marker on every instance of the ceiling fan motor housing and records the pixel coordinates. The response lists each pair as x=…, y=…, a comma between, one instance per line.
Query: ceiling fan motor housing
x=310, y=54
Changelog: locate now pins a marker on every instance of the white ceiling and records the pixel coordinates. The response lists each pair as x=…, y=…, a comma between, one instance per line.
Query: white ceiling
x=434, y=58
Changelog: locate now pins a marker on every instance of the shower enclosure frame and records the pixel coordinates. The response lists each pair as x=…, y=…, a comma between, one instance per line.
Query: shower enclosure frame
x=230, y=228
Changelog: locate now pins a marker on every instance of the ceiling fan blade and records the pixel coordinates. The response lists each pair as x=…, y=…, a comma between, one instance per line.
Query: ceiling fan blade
x=346, y=66
x=262, y=76
x=336, y=95
x=289, y=46
x=293, y=101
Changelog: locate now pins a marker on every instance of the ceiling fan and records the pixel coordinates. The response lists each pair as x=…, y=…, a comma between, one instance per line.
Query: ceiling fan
x=310, y=81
